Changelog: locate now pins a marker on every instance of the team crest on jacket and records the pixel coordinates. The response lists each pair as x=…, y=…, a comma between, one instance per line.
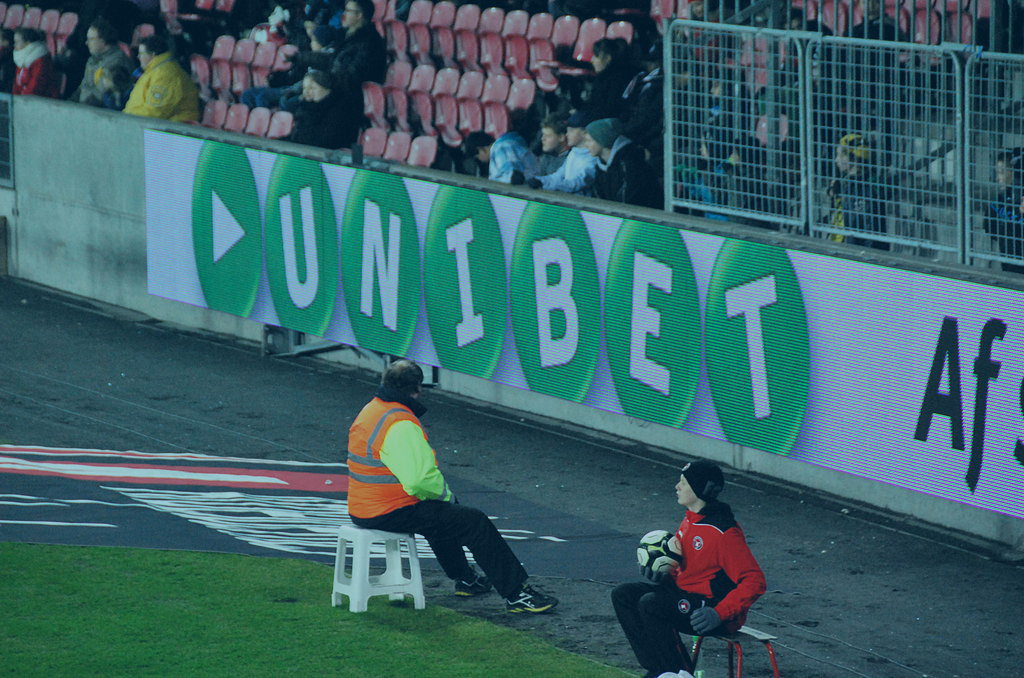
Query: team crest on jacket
x=698, y=543
x=684, y=605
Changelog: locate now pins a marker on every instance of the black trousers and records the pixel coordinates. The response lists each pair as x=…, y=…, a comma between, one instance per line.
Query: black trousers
x=448, y=527
x=652, y=616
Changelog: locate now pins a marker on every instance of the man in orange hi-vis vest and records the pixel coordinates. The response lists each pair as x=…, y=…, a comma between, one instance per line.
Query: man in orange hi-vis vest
x=395, y=485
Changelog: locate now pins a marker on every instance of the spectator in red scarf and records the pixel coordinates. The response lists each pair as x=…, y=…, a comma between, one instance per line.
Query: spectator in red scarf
x=35, y=74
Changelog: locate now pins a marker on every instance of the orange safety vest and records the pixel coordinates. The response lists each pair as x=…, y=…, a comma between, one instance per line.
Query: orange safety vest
x=372, y=489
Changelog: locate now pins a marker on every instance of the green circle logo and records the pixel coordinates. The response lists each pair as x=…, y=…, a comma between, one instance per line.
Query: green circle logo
x=652, y=323
x=555, y=304
x=302, y=245
x=758, y=349
x=466, y=295
x=226, y=228
x=381, y=271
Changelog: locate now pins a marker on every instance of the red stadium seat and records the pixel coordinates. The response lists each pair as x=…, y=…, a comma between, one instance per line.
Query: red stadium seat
x=447, y=82
x=471, y=116
x=374, y=140
x=467, y=50
x=467, y=18
x=14, y=16
x=48, y=23
x=201, y=75
x=281, y=124
x=591, y=31
x=241, y=57
x=284, y=52
x=495, y=119
x=225, y=6
x=237, y=117
x=446, y=119
x=396, y=35
x=65, y=27
x=422, y=151
x=3, y=12
x=214, y=114
x=33, y=15
x=516, y=23
x=517, y=56
x=220, y=65
x=540, y=26
x=620, y=29
x=258, y=122
x=141, y=31
x=418, y=26
x=565, y=31
x=398, y=146
x=262, y=62
x=927, y=27
x=491, y=20
x=420, y=86
x=443, y=39
x=662, y=11
x=492, y=53
x=496, y=89
x=375, y=104
x=542, y=54
x=521, y=94
x=960, y=28
x=471, y=85
x=205, y=5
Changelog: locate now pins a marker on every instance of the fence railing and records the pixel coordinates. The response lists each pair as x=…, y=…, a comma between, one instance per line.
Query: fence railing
x=913, y=148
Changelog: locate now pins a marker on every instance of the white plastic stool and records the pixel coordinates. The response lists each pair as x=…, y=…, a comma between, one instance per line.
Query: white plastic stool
x=360, y=586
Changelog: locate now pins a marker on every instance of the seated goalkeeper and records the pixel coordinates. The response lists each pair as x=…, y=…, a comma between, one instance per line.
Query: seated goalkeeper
x=709, y=591
x=395, y=485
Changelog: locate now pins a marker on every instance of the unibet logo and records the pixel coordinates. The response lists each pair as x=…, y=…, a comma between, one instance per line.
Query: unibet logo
x=652, y=323
x=465, y=260
x=555, y=303
x=302, y=245
x=226, y=228
x=381, y=266
x=758, y=350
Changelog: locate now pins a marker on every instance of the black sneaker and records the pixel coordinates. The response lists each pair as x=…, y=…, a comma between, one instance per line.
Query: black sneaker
x=530, y=599
x=472, y=587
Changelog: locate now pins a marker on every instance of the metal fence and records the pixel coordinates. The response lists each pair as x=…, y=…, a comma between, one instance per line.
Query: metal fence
x=913, y=148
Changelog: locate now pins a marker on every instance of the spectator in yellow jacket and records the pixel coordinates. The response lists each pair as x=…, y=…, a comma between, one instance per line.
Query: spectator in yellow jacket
x=165, y=90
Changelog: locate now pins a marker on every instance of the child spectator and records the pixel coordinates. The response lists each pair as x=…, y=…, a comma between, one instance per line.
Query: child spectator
x=323, y=116
x=165, y=90
x=7, y=67
x=1005, y=220
x=622, y=174
x=576, y=174
x=35, y=73
x=104, y=54
x=116, y=87
x=553, y=146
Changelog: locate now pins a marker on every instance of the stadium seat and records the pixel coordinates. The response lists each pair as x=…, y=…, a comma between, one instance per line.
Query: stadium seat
x=420, y=84
x=258, y=122
x=447, y=82
x=418, y=27
x=443, y=39
x=960, y=28
x=396, y=36
x=214, y=114
x=542, y=56
x=662, y=11
x=281, y=123
x=491, y=20
x=422, y=151
x=620, y=29
x=496, y=89
x=65, y=27
x=201, y=75
x=735, y=641
x=471, y=116
x=139, y=32
x=540, y=26
x=495, y=118
x=398, y=146
x=564, y=32
x=48, y=23
x=471, y=85
x=517, y=56
x=927, y=27
x=492, y=53
x=374, y=140
x=33, y=15
x=225, y=6
x=220, y=65
x=284, y=52
x=3, y=12
x=446, y=119
x=205, y=5
x=14, y=16
x=467, y=50
x=375, y=104
x=591, y=31
x=262, y=62
x=237, y=117
x=241, y=57
x=516, y=23
x=521, y=94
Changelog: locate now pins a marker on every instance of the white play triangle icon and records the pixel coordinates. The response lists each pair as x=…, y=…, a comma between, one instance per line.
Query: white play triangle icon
x=226, y=229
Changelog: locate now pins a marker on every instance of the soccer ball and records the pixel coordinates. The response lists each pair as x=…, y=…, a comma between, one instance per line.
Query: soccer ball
x=658, y=550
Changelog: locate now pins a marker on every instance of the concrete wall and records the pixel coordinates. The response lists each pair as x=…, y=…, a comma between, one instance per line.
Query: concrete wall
x=77, y=224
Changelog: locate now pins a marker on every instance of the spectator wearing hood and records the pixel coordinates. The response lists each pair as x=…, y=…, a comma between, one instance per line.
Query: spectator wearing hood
x=622, y=173
x=35, y=73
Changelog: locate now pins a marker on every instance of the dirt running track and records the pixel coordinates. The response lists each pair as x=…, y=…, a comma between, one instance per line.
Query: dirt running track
x=852, y=592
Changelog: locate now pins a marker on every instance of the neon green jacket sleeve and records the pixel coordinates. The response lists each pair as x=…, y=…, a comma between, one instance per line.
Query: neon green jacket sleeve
x=409, y=456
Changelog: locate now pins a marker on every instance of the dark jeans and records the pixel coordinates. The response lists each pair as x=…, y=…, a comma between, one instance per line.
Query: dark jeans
x=285, y=98
x=448, y=527
x=652, y=616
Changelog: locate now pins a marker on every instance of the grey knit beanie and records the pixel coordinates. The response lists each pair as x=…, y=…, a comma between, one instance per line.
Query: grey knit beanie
x=605, y=131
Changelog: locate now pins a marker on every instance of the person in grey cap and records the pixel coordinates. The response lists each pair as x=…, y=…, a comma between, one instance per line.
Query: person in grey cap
x=623, y=174
x=576, y=175
x=711, y=590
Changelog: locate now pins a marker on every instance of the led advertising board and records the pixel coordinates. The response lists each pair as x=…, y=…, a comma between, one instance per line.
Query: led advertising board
x=896, y=376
